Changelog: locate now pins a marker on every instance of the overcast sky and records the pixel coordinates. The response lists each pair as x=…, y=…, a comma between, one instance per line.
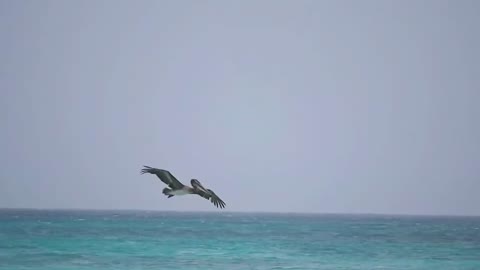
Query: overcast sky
x=290, y=106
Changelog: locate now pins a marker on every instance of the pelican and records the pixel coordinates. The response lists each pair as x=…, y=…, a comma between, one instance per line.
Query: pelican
x=176, y=188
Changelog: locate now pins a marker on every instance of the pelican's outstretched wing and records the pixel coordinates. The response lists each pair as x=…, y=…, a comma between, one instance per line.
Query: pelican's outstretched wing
x=215, y=199
x=165, y=176
x=207, y=193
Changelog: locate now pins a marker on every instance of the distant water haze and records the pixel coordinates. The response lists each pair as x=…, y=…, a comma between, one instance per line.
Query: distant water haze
x=285, y=106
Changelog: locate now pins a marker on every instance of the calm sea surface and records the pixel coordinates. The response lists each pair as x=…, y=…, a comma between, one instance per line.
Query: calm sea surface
x=41, y=239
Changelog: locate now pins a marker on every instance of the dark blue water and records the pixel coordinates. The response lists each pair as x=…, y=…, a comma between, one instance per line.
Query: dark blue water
x=31, y=239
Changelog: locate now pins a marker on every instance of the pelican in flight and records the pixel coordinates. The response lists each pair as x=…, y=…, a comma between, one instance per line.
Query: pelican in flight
x=177, y=188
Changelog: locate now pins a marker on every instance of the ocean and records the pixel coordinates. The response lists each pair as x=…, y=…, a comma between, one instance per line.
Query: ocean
x=64, y=240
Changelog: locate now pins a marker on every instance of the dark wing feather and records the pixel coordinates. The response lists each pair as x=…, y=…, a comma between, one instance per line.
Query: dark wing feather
x=207, y=194
x=165, y=176
x=215, y=199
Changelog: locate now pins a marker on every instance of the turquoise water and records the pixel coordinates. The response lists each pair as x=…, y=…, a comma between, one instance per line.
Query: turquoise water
x=34, y=239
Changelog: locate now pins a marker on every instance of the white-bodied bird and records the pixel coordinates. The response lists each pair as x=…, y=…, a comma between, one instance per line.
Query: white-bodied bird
x=176, y=188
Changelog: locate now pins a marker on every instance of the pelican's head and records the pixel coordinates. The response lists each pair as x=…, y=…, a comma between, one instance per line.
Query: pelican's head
x=196, y=184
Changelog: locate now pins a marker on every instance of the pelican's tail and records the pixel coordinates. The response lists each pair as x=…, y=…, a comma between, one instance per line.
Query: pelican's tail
x=166, y=191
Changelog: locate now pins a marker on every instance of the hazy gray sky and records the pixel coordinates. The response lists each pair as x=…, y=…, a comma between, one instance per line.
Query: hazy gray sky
x=318, y=106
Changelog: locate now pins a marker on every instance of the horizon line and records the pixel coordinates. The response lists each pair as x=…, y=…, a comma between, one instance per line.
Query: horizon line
x=240, y=212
